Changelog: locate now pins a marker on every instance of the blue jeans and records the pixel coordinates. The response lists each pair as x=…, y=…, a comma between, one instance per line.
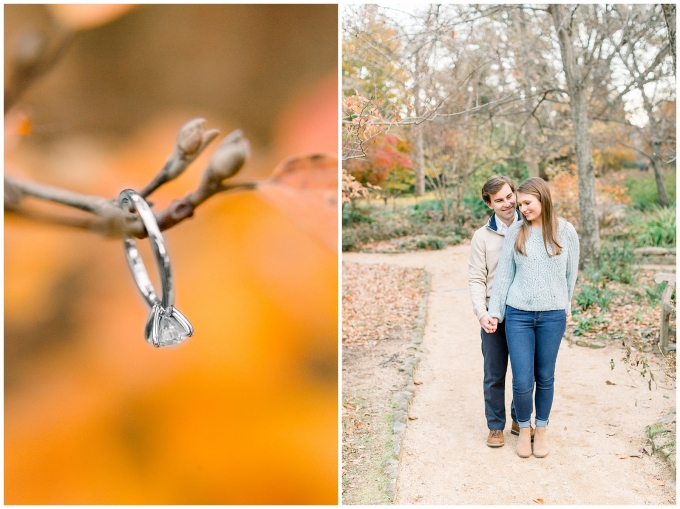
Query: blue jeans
x=495, y=352
x=533, y=342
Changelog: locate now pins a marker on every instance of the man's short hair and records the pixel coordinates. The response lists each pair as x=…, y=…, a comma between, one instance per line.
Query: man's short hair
x=494, y=184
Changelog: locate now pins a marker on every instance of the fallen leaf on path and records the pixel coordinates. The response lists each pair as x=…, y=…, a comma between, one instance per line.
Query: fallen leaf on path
x=565, y=428
x=589, y=431
x=657, y=482
x=417, y=383
x=635, y=455
x=610, y=383
x=414, y=500
x=539, y=501
x=611, y=434
x=412, y=418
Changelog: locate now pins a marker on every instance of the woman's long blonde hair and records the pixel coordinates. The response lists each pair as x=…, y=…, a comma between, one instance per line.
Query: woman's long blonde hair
x=538, y=188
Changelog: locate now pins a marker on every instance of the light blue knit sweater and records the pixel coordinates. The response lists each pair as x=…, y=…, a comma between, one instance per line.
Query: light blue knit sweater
x=535, y=282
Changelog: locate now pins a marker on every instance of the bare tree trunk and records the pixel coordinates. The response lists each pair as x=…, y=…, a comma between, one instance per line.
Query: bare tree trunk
x=669, y=14
x=589, y=234
x=419, y=149
x=656, y=151
x=658, y=175
x=418, y=143
x=531, y=148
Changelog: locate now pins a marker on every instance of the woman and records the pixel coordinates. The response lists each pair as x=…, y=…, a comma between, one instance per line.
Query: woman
x=532, y=291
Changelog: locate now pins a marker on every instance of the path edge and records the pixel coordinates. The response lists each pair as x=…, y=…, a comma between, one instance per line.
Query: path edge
x=401, y=401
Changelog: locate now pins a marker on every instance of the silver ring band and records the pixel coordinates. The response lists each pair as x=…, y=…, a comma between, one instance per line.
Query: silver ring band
x=135, y=260
x=165, y=325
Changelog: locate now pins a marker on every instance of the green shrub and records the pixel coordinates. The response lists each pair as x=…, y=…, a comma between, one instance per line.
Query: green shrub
x=430, y=242
x=653, y=227
x=349, y=240
x=585, y=324
x=591, y=294
x=386, y=227
x=616, y=263
x=354, y=214
x=604, y=298
x=642, y=190
x=586, y=296
x=654, y=293
x=476, y=207
x=424, y=205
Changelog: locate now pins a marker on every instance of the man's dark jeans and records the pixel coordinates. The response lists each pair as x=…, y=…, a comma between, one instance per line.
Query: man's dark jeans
x=495, y=352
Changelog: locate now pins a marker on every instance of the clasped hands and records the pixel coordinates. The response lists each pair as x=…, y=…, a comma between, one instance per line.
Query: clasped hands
x=489, y=324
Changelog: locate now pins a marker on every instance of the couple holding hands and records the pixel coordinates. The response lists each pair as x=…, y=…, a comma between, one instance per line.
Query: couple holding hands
x=522, y=271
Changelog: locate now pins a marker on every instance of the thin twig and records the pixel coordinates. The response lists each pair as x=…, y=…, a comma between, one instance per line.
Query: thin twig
x=109, y=219
x=191, y=140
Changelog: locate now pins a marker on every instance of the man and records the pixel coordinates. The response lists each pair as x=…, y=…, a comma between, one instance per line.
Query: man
x=485, y=248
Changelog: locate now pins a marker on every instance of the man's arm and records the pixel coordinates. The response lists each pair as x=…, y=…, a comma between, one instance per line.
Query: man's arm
x=477, y=275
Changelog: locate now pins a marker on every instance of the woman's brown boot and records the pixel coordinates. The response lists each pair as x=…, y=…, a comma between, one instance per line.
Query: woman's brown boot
x=524, y=443
x=540, y=443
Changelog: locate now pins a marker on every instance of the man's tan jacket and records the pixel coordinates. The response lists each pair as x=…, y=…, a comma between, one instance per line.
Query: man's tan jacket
x=485, y=250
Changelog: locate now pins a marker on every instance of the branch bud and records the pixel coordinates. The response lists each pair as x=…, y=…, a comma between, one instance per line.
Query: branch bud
x=229, y=157
x=192, y=138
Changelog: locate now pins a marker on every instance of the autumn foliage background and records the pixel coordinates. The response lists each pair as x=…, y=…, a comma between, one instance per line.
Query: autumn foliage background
x=246, y=410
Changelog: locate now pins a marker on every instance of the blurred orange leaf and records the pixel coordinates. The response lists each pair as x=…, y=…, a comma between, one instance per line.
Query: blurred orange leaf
x=17, y=122
x=80, y=16
x=305, y=188
x=539, y=501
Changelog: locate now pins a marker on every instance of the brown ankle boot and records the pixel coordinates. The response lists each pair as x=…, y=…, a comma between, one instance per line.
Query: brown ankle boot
x=495, y=438
x=541, y=443
x=524, y=443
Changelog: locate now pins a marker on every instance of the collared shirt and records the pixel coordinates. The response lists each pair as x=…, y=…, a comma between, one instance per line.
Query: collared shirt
x=501, y=227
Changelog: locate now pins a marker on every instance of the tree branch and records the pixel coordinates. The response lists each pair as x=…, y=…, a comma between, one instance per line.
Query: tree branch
x=109, y=219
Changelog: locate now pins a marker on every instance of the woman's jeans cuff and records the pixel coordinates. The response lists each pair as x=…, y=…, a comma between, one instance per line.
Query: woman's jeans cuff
x=541, y=424
x=524, y=424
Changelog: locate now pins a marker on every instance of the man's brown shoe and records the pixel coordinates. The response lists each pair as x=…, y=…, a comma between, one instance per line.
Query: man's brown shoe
x=515, y=430
x=495, y=438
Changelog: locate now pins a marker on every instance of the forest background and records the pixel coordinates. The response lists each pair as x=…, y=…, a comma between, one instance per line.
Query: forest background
x=438, y=98
x=435, y=100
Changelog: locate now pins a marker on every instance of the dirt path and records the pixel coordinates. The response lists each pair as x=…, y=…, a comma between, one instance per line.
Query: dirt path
x=597, y=430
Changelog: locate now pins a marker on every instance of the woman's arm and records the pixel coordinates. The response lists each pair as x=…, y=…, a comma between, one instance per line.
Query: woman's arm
x=572, y=261
x=505, y=273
